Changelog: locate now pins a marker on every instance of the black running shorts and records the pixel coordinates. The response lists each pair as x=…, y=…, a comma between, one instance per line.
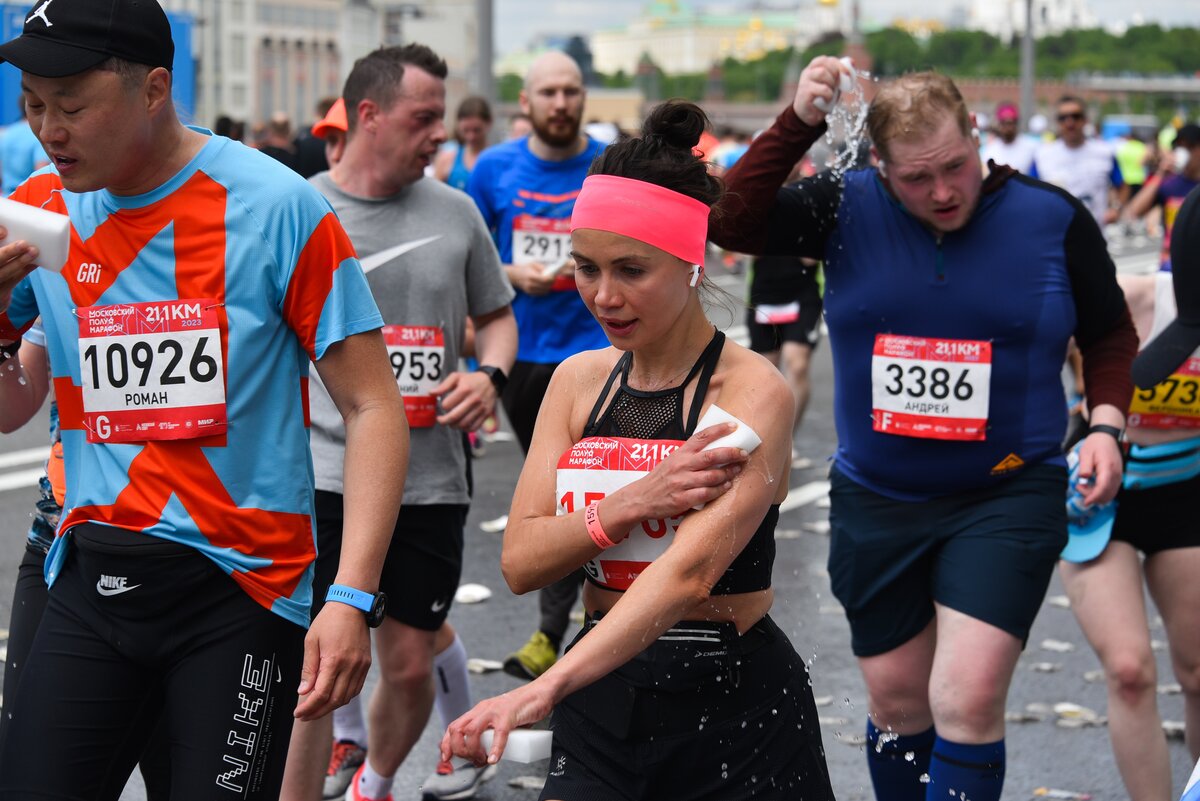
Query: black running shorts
x=987, y=553
x=804, y=330
x=423, y=564
x=1159, y=518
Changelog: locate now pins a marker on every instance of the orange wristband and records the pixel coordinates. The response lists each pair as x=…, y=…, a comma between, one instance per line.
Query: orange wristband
x=591, y=519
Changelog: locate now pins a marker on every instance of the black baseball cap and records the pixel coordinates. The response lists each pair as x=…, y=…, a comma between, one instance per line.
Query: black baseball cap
x=67, y=37
x=1170, y=349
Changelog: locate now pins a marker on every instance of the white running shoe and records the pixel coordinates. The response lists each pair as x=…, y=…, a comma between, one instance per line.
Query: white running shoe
x=455, y=779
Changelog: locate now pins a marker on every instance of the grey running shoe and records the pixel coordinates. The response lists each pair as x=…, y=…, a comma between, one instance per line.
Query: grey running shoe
x=346, y=758
x=454, y=780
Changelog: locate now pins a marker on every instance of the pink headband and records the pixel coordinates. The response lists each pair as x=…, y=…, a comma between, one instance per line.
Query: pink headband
x=647, y=212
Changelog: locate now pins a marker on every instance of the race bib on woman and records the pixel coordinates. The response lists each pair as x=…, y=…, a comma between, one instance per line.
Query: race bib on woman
x=1173, y=403
x=598, y=466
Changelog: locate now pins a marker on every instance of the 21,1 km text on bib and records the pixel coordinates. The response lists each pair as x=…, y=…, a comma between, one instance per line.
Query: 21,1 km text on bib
x=931, y=388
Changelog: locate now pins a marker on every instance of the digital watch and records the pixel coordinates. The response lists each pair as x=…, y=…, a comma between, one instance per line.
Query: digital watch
x=373, y=606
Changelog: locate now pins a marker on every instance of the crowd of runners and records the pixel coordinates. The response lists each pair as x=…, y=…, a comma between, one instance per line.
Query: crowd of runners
x=265, y=391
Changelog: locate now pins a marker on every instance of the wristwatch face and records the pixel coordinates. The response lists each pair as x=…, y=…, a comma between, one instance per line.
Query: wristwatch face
x=378, y=608
x=499, y=379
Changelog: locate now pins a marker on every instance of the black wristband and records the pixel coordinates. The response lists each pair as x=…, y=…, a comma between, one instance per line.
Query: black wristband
x=1113, y=431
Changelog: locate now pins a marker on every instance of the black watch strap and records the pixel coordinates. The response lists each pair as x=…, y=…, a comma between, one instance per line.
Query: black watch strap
x=497, y=376
x=1113, y=431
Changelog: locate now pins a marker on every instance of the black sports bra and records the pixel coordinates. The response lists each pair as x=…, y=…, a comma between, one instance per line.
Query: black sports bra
x=658, y=414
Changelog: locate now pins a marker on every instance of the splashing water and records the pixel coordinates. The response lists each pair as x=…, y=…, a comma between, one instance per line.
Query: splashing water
x=847, y=121
x=885, y=737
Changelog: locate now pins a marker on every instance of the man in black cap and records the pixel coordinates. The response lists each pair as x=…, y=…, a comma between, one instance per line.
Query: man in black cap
x=1152, y=538
x=202, y=279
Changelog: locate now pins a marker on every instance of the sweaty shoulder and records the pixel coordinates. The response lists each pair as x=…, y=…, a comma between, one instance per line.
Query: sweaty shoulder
x=579, y=379
x=749, y=381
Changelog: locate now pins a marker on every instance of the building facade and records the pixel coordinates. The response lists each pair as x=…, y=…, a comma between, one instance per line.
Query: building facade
x=257, y=58
x=681, y=38
x=1006, y=18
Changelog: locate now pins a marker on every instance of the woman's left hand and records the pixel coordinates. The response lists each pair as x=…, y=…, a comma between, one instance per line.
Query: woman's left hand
x=520, y=707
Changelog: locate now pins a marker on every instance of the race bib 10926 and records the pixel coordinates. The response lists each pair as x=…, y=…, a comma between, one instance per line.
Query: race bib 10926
x=152, y=371
x=931, y=388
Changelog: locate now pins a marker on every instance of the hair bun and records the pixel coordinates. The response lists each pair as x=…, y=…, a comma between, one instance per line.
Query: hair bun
x=677, y=123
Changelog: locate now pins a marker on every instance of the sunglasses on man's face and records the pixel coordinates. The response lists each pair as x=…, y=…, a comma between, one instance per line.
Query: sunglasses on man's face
x=1071, y=115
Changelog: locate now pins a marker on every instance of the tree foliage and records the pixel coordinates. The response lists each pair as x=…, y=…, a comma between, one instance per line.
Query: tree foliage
x=1141, y=50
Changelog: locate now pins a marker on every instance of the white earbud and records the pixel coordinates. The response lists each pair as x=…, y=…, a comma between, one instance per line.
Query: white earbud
x=695, y=275
x=882, y=169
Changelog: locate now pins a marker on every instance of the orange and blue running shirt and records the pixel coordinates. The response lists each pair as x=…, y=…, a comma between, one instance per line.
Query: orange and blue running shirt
x=180, y=333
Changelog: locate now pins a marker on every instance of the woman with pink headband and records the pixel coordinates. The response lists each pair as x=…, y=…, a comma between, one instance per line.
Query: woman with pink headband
x=678, y=660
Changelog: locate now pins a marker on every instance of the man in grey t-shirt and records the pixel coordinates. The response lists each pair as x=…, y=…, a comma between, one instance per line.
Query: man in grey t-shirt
x=431, y=265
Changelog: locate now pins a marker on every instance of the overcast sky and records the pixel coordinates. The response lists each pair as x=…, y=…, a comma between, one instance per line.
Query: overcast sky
x=517, y=21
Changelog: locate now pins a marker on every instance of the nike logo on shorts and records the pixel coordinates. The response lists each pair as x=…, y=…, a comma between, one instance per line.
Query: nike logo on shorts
x=437, y=606
x=113, y=585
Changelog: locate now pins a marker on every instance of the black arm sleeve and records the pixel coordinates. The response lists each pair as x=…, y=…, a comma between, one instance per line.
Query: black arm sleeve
x=1104, y=329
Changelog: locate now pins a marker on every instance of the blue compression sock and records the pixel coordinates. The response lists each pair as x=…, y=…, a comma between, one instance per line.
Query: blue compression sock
x=971, y=772
x=895, y=777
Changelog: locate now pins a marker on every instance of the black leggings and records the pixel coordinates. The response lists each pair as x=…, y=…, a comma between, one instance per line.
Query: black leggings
x=29, y=603
x=144, y=632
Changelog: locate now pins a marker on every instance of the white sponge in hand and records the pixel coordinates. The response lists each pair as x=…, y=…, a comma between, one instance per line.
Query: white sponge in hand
x=742, y=437
x=48, y=231
x=524, y=745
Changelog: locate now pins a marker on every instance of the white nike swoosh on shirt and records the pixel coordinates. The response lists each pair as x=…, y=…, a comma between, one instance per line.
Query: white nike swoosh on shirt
x=384, y=256
x=115, y=590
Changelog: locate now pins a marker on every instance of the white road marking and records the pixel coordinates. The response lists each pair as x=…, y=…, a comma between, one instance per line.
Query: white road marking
x=20, y=478
x=29, y=456
x=804, y=494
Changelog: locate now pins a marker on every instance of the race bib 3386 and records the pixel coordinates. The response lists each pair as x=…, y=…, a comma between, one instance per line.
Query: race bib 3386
x=931, y=388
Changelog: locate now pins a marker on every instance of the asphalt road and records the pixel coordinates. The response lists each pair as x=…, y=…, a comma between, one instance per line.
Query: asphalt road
x=1041, y=753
